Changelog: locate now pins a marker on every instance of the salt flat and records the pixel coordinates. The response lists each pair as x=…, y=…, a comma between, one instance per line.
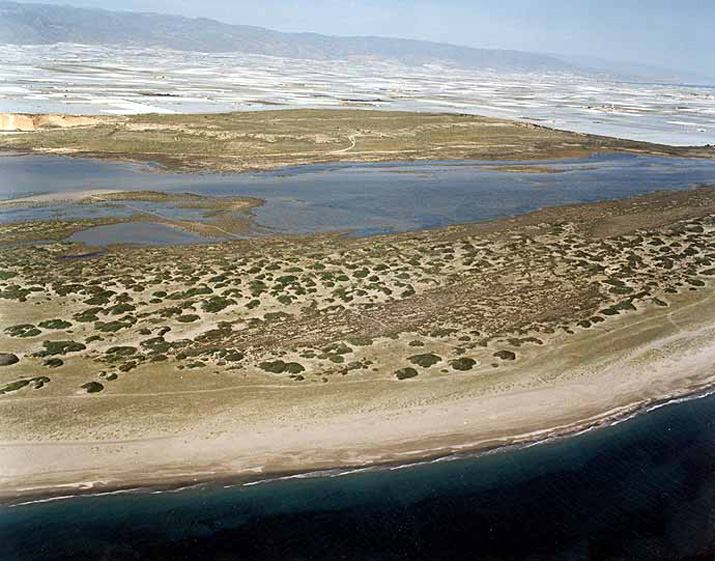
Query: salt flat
x=81, y=79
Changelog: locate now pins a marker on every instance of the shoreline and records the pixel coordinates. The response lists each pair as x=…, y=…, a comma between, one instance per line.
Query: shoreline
x=392, y=453
x=531, y=163
x=87, y=489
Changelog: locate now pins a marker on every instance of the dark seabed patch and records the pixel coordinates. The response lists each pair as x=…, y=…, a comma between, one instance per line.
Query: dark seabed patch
x=642, y=489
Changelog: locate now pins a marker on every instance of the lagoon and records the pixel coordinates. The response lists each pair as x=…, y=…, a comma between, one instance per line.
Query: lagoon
x=360, y=199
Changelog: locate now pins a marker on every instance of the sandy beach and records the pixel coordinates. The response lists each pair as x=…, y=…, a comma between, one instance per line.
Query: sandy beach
x=573, y=386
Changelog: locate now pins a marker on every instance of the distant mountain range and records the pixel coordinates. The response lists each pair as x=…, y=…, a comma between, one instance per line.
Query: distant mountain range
x=28, y=24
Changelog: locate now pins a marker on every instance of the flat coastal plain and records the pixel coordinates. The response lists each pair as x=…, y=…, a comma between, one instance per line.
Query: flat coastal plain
x=167, y=365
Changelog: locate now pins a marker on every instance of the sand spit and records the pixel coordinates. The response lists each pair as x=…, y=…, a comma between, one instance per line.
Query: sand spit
x=578, y=400
x=174, y=364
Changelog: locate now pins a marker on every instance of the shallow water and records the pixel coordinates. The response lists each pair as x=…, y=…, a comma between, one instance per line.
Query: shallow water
x=642, y=489
x=367, y=199
x=141, y=233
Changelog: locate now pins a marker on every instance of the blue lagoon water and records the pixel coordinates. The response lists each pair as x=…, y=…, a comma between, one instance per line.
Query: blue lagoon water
x=364, y=199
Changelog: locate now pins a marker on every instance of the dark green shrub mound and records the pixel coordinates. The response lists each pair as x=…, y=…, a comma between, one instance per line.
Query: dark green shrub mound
x=23, y=330
x=87, y=316
x=54, y=362
x=55, y=324
x=338, y=349
x=279, y=367
x=230, y=355
x=463, y=363
x=216, y=304
x=120, y=309
x=275, y=366
x=188, y=318
x=14, y=386
x=406, y=373
x=426, y=360
x=294, y=368
x=92, y=387
x=121, y=351
x=15, y=292
x=276, y=316
x=156, y=345
x=505, y=355
x=8, y=359
x=360, y=341
x=60, y=348
x=37, y=383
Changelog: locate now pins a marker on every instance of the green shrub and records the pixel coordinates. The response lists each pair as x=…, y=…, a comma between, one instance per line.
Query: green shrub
x=23, y=330
x=88, y=315
x=279, y=367
x=55, y=324
x=216, y=304
x=121, y=351
x=112, y=326
x=294, y=368
x=188, y=318
x=155, y=345
x=120, y=309
x=61, y=348
x=360, y=341
x=127, y=366
x=463, y=363
x=54, y=362
x=14, y=386
x=92, y=387
x=275, y=366
x=406, y=373
x=425, y=360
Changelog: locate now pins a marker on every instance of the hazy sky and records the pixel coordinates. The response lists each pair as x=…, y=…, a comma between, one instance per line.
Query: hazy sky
x=669, y=33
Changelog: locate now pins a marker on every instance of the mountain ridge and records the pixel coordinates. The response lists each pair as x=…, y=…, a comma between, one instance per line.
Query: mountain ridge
x=36, y=23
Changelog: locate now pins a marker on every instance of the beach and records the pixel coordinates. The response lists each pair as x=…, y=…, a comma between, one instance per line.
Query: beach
x=564, y=391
